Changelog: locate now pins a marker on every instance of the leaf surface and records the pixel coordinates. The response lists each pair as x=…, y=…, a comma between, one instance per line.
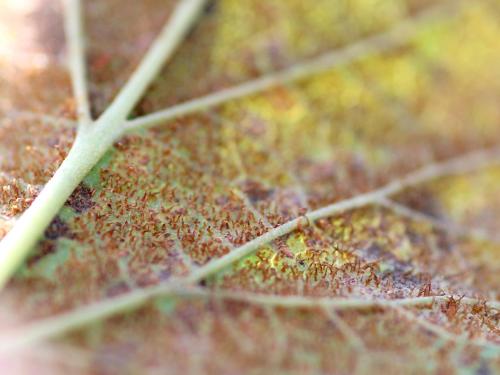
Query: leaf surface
x=164, y=202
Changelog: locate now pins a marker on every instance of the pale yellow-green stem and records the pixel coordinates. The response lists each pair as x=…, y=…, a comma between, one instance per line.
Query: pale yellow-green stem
x=92, y=140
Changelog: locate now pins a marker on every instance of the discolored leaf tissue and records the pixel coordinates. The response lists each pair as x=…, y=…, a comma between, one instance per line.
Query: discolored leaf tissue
x=304, y=187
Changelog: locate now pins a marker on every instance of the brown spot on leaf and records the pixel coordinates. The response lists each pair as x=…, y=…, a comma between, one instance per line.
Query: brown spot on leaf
x=373, y=252
x=81, y=199
x=423, y=201
x=210, y=7
x=56, y=229
x=117, y=289
x=255, y=191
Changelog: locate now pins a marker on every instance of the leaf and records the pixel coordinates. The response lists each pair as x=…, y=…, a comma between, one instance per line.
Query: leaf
x=329, y=205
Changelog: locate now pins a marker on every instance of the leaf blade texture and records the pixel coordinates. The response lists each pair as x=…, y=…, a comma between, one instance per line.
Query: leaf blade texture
x=406, y=280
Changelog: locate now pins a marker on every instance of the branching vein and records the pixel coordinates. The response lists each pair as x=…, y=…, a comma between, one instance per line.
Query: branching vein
x=101, y=310
x=96, y=136
x=94, y=140
x=376, y=44
x=76, y=58
x=66, y=322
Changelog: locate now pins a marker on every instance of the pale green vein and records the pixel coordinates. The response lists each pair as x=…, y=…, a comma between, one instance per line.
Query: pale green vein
x=76, y=59
x=63, y=323
x=376, y=44
x=66, y=322
x=93, y=141
x=337, y=303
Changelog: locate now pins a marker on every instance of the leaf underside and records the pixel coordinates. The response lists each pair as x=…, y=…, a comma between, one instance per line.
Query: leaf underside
x=165, y=201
